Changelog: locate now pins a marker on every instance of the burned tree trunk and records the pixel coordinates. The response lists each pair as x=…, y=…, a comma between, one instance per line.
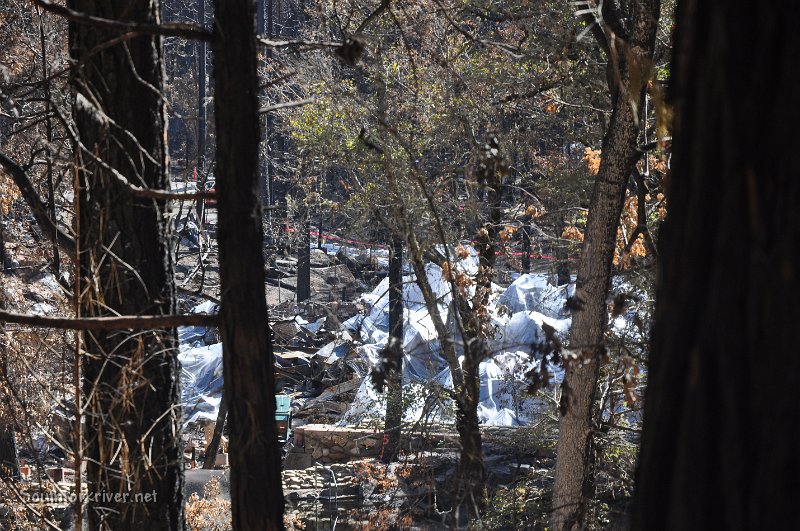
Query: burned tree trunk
x=471, y=469
x=393, y=358
x=216, y=438
x=131, y=381
x=9, y=458
x=473, y=316
x=722, y=418
x=304, y=261
x=256, y=492
x=526, y=245
x=2, y=241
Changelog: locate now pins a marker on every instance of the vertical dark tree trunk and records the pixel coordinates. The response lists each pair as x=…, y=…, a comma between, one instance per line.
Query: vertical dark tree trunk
x=471, y=469
x=304, y=261
x=202, y=57
x=256, y=491
x=3, y=265
x=260, y=20
x=131, y=380
x=202, y=60
x=562, y=273
x=269, y=121
x=2, y=241
x=631, y=61
x=216, y=438
x=9, y=459
x=49, y=128
x=394, y=354
x=526, y=245
x=562, y=257
x=722, y=416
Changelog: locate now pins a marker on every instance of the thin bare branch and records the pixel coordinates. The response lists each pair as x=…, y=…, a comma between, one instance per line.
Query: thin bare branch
x=286, y=105
x=186, y=31
x=49, y=227
x=384, y=5
x=123, y=322
x=298, y=43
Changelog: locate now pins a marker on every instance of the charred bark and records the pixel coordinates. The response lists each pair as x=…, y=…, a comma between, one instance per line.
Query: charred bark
x=471, y=469
x=131, y=381
x=526, y=245
x=393, y=362
x=2, y=242
x=256, y=491
x=216, y=438
x=9, y=458
x=722, y=419
x=304, y=261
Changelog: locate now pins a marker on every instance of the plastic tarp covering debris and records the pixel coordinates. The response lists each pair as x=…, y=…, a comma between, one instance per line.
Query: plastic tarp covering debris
x=201, y=370
x=206, y=307
x=191, y=336
x=334, y=351
x=534, y=292
x=503, y=398
x=201, y=379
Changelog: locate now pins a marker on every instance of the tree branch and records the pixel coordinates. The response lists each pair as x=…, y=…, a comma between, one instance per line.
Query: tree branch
x=513, y=96
x=39, y=210
x=514, y=51
x=124, y=322
x=287, y=105
x=372, y=16
x=186, y=31
x=298, y=43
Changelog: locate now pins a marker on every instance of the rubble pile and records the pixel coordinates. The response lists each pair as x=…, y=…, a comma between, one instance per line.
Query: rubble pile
x=323, y=356
x=331, y=281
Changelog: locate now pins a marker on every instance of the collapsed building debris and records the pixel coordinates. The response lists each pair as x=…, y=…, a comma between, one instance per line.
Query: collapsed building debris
x=322, y=360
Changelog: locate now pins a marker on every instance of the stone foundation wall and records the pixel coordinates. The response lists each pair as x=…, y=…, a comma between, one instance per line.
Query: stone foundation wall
x=326, y=444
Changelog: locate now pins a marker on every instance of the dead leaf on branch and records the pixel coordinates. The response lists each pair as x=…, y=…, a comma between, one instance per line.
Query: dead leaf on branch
x=592, y=158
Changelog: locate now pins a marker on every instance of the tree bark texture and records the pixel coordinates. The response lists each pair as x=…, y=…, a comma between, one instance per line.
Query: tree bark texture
x=216, y=438
x=631, y=62
x=394, y=353
x=526, y=245
x=304, y=260
x=474, y=331
x=256, y=492
x=2, y=242
x=131, y=380
x=471, y=469
x=722, y=416
x=9, y=458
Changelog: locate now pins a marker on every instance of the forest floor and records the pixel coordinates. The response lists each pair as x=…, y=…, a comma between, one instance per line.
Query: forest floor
x=415, y=492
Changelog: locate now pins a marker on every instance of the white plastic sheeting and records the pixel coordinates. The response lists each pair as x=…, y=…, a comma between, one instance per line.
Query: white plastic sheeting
x=534, y=292
x=201, y=379
x=201, y=370
x=531, y=299
x=191, y=336
x=503, y=399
